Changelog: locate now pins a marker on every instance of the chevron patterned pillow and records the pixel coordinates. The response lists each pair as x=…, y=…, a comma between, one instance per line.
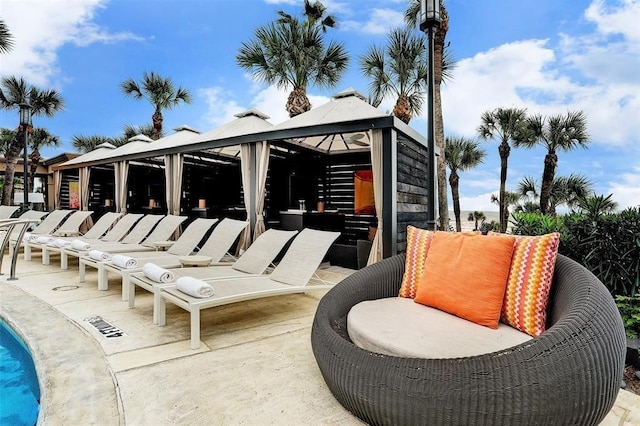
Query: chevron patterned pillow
x=418, y=242
x=529, y=282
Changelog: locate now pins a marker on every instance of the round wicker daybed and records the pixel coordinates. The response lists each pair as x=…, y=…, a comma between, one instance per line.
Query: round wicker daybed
x=569, y=375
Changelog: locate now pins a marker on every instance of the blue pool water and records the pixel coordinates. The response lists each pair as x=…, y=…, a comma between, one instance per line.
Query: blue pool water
x=19, y=389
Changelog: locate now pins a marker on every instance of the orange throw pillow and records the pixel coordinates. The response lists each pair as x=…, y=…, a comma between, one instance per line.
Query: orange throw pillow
x=466, y=275
x=418, y=241
x=529, y=284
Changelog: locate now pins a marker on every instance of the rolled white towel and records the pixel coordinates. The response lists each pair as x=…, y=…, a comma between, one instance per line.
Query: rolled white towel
x=157, y=273
x=61, y=243
x=194, y=287
x=99, y=255
x=43, y=239
x=80, y=245
x=26, y=236
x=123, y=261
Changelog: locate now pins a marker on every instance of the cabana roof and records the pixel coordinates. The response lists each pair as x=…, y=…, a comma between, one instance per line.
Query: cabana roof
x=339, y=126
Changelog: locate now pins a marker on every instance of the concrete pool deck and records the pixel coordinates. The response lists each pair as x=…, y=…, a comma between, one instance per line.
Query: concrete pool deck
x=254, y=365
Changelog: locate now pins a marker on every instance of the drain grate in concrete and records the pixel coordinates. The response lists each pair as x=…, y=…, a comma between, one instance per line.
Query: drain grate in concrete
x=106, y=329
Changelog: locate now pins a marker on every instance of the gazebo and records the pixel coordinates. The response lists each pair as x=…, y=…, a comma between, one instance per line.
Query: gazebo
x=344, y=165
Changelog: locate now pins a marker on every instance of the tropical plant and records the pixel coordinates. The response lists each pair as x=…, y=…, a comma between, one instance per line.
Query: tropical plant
x=89, y=143
x=443, y=65
x=15, y=91
x=400, y=69
x=629, y=307
x=477, y=217
x=555, y=133
x=565, y=190
x=461, y=154
x=293, y=54
x=506, y=124
x=39, y=138
x=596, y=205
x=6, y=137
x=160, y=92
x=510, y=198
x=6, y=39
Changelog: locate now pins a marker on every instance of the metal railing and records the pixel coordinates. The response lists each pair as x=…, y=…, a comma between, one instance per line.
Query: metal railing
x=7, y=229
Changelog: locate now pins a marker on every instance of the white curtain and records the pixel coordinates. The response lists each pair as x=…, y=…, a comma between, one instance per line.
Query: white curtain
x=83, y=177
x=245, y=167
x=121, y=171
x=261, y=186
x=57, y=187
x=376, y=165
x=173, y=166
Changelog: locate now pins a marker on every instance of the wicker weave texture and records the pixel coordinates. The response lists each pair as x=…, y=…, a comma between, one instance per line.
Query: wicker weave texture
x=570, y=375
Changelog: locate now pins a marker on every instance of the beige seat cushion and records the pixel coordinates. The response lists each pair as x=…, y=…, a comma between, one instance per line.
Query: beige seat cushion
x=398, y=326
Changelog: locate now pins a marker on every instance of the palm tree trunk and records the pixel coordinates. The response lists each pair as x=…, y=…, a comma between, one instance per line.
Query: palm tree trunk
x=33, y=168
x=298, y=102
x=12, y=157
x=402, y=110
x=441, y=165
x=157, y=119
x=454, y=181
x=503, y=149
x=550, y=163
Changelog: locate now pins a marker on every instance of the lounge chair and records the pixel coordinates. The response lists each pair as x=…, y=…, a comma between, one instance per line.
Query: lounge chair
x=183, y=246
x=70, y=227
x=50, y=223
x=119, y=231
x=254, y=261
x=98, y=229
x=291, y=276
x=163, y=231
x=7, y=211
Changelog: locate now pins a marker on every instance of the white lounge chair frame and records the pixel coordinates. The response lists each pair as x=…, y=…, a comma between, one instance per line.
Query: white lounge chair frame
x=50, y=223
x=98, y=229
x=7, y=211
x=291, y=276
x=164, y=229
x=70, y=226
x=254, y=262
x=183, y=246
x=119, y=232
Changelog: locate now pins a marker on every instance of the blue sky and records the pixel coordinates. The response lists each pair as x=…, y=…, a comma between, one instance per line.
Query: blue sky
x=550, y=56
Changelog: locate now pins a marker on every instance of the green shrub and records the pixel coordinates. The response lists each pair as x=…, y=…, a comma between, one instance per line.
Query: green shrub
x=629, y=308
x=607, y=244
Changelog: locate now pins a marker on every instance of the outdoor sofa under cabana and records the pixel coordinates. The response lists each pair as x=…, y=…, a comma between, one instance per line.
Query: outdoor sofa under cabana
x=311, y=158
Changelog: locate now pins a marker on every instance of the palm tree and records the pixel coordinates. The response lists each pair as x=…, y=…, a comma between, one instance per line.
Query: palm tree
x=443, y=64
x=160, y=92
x=15, y=91
x=510, y=198
x=400, y=70
x=292, y=54
x=555, y=133
x=89, y=143
x=6, y=39
x=506, y=124
x=564, y=190
x=39, y=139
x=595, y=206
x=476, y=217
x=461, y=154
x=6, y=136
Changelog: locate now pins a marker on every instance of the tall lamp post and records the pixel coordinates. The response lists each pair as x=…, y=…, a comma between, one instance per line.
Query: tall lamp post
x=429, y=23
x=25, y=123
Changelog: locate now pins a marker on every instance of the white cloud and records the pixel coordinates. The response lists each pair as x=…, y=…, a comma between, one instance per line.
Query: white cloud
x=381, y=21
x=220, y=109
x=40, y=28
x=480, y=202
x=627, y=190
x=274, y=100
x=616, y=20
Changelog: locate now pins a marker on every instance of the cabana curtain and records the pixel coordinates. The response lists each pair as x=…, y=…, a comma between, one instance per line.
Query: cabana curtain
x=173, y=166
x=57, y=184
x=245, y=167
x=121, y=171
x=264, y=149
x=83, y=177
x=376, y=165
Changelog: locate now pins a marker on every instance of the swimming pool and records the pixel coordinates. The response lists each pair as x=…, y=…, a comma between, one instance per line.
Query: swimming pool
x=19, y=404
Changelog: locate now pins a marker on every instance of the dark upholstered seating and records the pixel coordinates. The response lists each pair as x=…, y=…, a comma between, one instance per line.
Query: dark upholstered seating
x=569, y=375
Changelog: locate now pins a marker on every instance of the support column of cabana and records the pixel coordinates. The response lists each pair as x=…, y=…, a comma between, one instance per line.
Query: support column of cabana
x=83, y=180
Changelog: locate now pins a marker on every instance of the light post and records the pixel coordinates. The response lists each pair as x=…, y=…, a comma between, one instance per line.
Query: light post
x=25, y=123
x=429, y=23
